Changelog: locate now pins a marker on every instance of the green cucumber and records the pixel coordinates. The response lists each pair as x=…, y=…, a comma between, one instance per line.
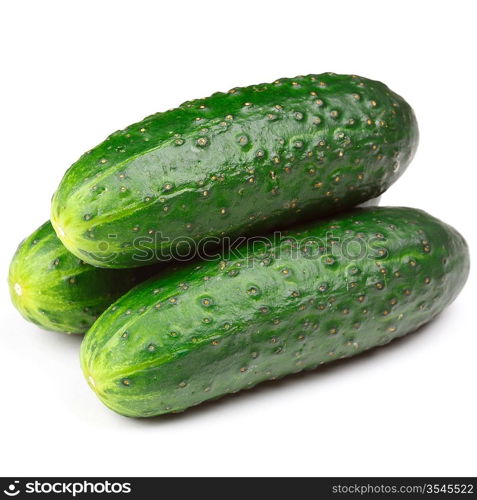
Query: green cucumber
x=240, y=162
x=326, y=291
x=57, y=291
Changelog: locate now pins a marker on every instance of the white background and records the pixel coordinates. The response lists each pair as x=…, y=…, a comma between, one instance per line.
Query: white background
x=72, y=72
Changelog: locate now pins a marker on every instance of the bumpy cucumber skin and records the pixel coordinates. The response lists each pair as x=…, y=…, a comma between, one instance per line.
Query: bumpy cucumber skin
x=57, y=291
x=217, y=327
x=246, y=161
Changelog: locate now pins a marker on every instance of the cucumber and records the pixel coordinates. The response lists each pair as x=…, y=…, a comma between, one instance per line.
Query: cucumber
x=276, y=306
x=57, y=291
x=240, y=162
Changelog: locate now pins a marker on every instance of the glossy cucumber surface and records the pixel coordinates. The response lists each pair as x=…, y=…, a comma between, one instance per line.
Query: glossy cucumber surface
x=57, y=291
x=240, y=162
x=291, y=302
